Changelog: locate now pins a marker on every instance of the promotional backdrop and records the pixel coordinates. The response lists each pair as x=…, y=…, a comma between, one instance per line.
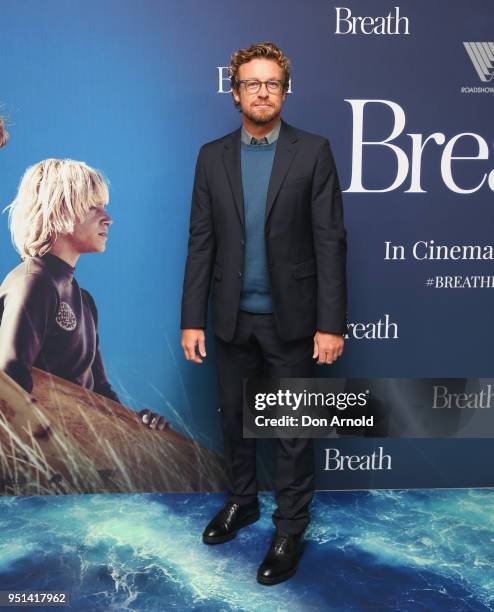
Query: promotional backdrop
x=404, y=94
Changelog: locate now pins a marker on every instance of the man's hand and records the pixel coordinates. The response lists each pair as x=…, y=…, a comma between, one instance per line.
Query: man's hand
x=153, y=420
x=327, y=347
x=192, y=338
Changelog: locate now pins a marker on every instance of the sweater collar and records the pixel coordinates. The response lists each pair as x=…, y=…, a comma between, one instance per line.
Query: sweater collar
x=271, y=136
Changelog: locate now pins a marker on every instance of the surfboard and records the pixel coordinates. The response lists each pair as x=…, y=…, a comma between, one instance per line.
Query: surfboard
x=62, y=438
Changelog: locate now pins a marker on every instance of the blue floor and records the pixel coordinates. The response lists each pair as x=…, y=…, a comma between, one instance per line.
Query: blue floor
x=379, y=550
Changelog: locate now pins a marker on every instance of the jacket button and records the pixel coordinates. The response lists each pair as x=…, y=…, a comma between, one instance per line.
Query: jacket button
x=239, y=274
x=242, y=242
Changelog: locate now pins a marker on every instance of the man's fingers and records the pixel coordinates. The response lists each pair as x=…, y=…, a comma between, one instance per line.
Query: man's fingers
x=190, y=353
x=327, y=347
x=323, y=357
x=316, y=350
x=327, y=357
x=162, y=424
x=195, y=357
x=157, y=421
x=153, y=420
x=145, y=416
x=194, y=345
x=150, y=419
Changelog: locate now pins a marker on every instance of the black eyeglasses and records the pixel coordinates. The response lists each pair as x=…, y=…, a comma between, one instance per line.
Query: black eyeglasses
x=252, y=86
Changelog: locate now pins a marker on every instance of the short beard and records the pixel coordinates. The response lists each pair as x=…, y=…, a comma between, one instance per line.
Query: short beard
x=264, y=120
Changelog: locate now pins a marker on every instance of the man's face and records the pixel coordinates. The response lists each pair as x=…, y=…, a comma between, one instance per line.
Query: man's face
x=261, y=107
x=90, y=234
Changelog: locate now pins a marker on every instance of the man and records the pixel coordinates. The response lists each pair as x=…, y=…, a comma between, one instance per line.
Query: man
x=46, y=319
x=267, y=223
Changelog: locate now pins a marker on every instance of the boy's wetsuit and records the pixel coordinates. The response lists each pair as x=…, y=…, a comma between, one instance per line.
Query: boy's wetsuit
x=49, y=322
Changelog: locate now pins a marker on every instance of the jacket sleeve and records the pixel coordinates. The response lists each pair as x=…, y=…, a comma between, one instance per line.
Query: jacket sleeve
x=29, y=309
x=329, y=236
x=201, y=253
x=101, y=382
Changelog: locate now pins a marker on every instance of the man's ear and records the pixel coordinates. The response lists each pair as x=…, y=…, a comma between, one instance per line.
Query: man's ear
x=236, y=95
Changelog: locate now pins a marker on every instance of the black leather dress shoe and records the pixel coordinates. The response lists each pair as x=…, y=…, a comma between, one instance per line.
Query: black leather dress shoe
x=282, y=558
x=229, y=520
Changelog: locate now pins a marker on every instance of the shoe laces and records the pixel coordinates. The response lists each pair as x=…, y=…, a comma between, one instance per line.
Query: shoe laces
x=279, y=543
x=230, y=510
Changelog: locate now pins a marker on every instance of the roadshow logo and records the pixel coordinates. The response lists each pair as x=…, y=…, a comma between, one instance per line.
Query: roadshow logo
x=481, y=55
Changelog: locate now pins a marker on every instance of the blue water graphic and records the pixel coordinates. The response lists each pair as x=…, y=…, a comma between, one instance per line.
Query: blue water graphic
x=365, y=550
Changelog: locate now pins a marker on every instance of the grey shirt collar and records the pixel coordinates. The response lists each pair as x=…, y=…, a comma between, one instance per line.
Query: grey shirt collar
x=272, y=136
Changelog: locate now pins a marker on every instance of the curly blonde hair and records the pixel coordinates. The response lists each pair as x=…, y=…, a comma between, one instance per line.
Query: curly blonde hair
x=53, y=195
x=265, y=50
x=4, y=135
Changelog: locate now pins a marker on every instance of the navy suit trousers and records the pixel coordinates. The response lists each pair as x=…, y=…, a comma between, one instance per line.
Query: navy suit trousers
x=256, y=350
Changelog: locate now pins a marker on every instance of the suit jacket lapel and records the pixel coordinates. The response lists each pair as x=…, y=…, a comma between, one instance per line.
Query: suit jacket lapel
x=285, y=152
x=231, y=160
